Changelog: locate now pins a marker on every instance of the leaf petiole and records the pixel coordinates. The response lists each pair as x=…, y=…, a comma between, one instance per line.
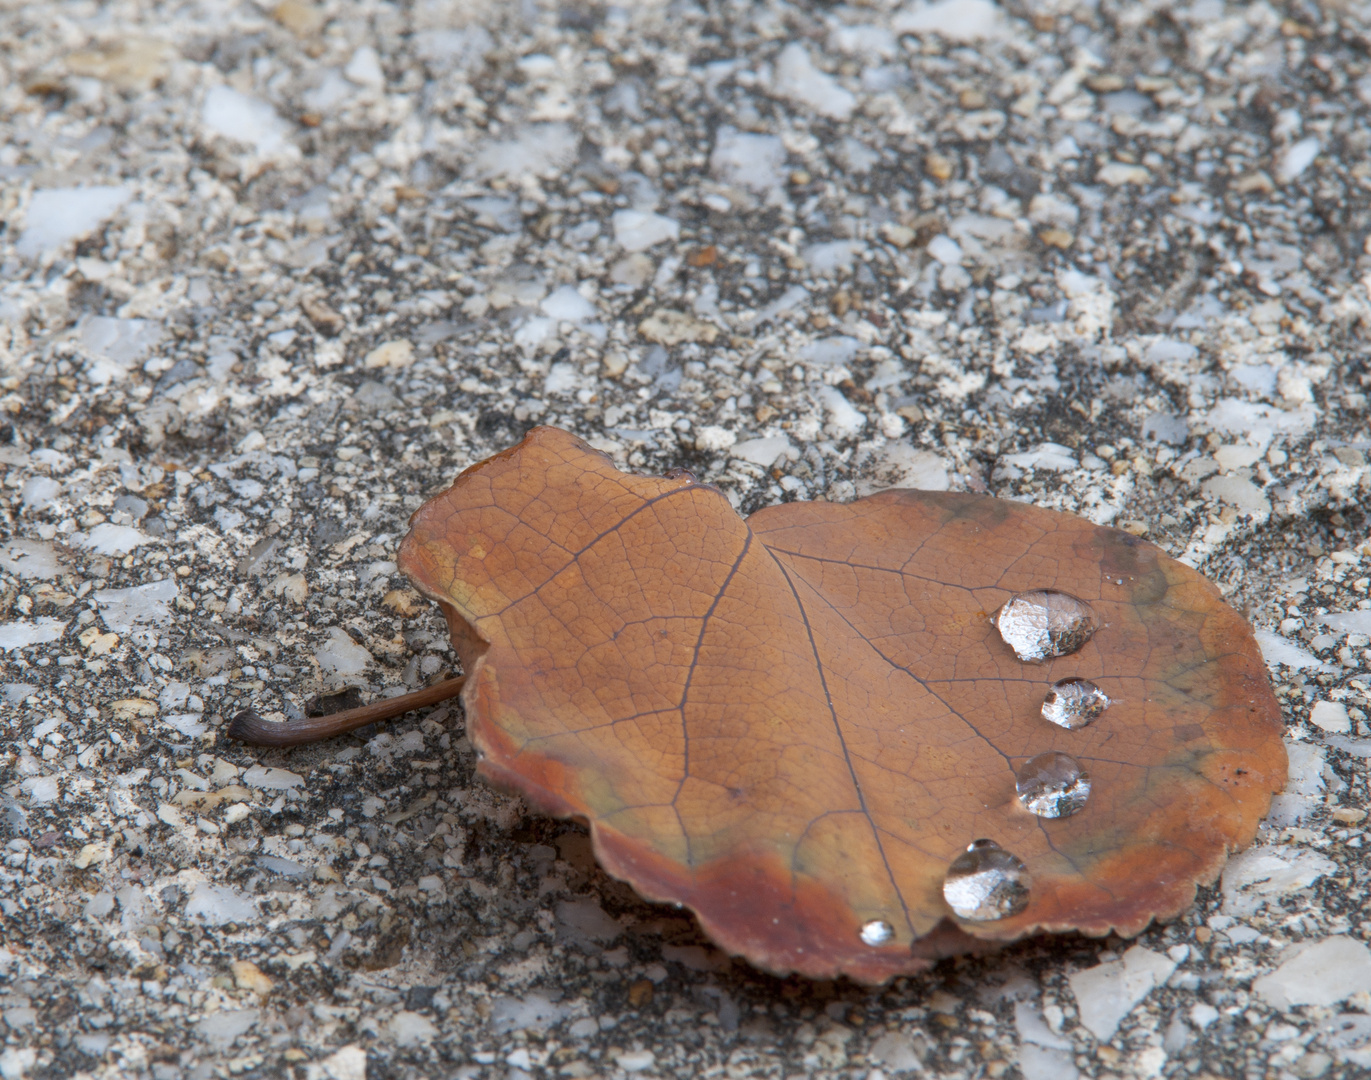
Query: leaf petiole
x=249, y=726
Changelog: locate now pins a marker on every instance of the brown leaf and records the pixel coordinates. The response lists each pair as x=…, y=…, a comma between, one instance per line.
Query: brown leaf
x=796, y=725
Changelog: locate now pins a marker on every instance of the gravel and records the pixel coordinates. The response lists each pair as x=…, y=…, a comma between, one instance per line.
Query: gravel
x=270, y=275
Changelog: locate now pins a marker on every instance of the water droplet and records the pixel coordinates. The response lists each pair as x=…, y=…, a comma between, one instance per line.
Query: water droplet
x=985, y=882
x=1052, y=785
x=1041, y=625
x=1074, y=703
x=877, y=932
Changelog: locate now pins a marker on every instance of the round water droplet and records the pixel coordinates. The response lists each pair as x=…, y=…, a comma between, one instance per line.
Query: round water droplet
x=985, y=882
x=1041, y=625
x=877, y=932
x=1074, y=703
x=1052, y=785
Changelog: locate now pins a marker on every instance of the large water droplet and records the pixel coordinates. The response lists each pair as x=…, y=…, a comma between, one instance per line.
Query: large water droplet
x=985, y=882
x=1041, y=625
x=1052, y=785
x=1074, y=703
x=877, y=932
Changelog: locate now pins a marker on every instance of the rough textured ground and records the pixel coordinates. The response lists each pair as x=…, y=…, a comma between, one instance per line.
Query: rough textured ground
x=270, y=276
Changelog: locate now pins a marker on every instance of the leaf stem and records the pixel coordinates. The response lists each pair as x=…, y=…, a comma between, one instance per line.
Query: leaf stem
x=249, y=727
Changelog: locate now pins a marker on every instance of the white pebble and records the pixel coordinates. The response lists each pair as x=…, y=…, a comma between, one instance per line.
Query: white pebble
x=1106, y=993
x=364, y=68
x=638, y=230
x=1320, y=974
x=411, y=1028
x=58, y=216
x=1330, y=716
x=799, y=80
x=1296, y=159
x=244, y=119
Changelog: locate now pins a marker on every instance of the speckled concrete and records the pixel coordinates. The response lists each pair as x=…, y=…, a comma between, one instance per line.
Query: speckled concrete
x=270, y=276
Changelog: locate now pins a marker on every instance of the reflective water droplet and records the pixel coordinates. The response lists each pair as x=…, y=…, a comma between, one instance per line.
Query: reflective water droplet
x=1041, y=625
x=985, y=882
x=1074, y=703
x=877, y=932
x=1052, y=785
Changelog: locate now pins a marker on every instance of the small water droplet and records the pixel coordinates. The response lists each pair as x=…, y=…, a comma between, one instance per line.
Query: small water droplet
x=1043, y=624
x=985, y=882
x=1052, y=785
x=877, y=932
x=1074, y=703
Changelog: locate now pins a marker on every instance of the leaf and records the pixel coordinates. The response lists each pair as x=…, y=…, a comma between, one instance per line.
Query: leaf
x=795, y=724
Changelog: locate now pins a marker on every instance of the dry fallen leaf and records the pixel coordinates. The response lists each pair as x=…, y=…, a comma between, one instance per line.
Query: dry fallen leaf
x=814, y=727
